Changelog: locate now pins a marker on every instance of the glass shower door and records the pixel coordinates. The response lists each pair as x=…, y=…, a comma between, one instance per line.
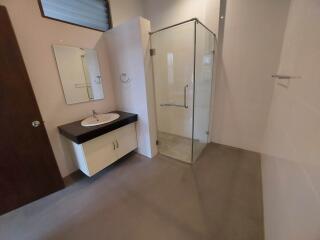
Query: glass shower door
x=202, y=89
x=173, y=66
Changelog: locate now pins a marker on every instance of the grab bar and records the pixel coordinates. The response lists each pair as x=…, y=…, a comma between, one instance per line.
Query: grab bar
x=185, y=105
x=284, y=76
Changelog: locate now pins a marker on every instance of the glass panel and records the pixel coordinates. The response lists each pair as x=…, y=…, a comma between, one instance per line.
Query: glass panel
x=203, y=87
x=173, y=76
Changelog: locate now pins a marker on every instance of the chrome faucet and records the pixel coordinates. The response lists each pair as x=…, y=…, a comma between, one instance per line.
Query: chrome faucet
x=94, y=114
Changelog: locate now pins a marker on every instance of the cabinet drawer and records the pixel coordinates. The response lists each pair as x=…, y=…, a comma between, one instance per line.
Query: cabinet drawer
x=98, y=153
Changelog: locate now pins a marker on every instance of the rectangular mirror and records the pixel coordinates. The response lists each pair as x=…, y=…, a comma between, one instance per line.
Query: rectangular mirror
x=79, y=73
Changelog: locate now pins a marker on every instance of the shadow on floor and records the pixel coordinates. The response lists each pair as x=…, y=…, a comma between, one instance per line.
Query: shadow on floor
x=219, y=197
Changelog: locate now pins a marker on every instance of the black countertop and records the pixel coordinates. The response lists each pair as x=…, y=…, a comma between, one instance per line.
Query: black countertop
x=79, y=134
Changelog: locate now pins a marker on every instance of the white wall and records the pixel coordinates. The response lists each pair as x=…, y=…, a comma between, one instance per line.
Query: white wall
x=291, y=160
x=252, y=36
x=128, y=51
x=124, y=10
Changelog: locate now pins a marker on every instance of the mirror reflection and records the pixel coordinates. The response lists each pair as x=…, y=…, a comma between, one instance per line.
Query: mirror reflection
x=79, y=73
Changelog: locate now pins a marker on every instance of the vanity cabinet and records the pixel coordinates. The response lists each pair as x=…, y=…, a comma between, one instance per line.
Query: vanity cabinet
x=97, y=147
x=94, y=155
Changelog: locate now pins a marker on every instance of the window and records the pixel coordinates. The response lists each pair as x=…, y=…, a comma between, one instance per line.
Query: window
x=94, y=14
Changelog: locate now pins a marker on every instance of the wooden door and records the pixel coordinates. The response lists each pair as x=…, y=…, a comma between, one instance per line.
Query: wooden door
x=28, y=169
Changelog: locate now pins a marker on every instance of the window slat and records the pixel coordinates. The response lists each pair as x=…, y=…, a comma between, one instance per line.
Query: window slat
x=88, y=13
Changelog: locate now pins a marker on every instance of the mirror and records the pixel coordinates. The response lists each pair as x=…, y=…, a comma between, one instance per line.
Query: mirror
x=79, y=73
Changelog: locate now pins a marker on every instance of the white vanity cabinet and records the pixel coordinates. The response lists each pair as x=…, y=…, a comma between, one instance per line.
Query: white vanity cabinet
x=96, y=154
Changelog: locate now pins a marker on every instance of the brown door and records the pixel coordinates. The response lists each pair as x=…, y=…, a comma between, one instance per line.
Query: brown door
x=28, y=169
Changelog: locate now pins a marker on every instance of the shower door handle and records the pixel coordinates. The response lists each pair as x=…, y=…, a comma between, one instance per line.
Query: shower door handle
x=171, y=105
x=185, y=96
x=284, y=76
x=178, y=105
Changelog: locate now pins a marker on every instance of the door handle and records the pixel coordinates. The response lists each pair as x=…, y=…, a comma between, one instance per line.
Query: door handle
x=114, y=146
x=284, y=76
x=185, y=96
x=36, y=123
x=171, y=105
x=185, y=105
x=117, y=143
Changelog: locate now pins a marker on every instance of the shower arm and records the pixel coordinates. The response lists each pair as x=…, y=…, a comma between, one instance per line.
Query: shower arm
x=185, y=105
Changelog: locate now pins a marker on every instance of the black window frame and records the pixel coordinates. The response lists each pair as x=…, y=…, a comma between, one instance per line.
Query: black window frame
x=109, y=20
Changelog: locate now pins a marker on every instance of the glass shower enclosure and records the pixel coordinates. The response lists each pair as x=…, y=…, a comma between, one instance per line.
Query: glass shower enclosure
x=183, y=57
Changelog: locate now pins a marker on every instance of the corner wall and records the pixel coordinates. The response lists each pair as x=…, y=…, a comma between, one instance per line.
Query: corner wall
x=291, y=148
x=128, y=52
x=250, y=40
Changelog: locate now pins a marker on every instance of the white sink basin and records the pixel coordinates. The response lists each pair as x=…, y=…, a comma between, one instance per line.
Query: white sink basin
x=99, y=119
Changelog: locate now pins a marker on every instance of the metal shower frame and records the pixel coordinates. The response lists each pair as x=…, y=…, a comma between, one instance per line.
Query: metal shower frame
x=196, y=21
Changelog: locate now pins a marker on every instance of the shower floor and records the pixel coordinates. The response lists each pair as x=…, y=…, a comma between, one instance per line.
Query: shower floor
x=178, y=147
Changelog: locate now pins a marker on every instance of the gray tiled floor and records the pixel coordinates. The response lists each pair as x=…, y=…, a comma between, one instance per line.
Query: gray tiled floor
x=141, y=199
x=174, y=146
x=178, y=147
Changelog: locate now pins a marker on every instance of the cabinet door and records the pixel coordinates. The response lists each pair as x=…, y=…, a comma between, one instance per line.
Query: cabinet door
x=100, y=152
x=126, y=139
